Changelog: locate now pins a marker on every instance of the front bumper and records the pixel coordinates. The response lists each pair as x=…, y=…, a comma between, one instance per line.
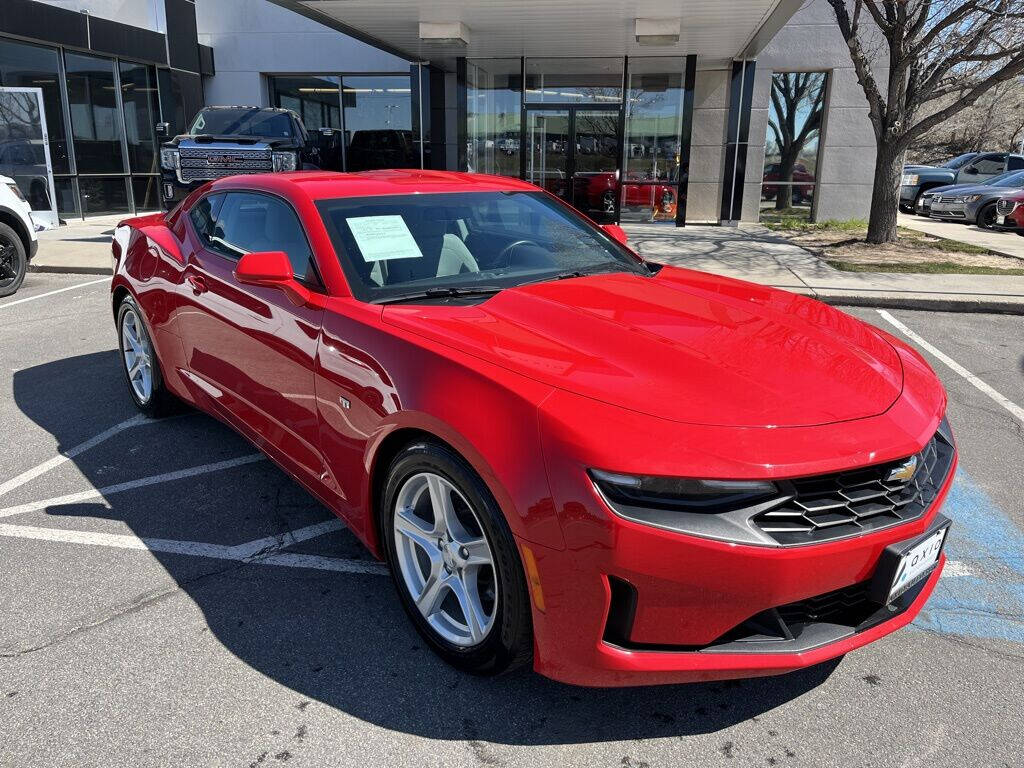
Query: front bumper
x=949, y=211
x=908, y=194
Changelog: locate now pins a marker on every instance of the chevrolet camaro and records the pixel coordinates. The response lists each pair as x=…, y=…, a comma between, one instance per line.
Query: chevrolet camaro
x=619, y=471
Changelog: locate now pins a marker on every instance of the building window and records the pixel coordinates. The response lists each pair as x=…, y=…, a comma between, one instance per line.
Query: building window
x=378, y=122
x=95, y=122
x=141, y=110
x=31, y=66
x=574, y=81
x=652, y=151
x=103, y=195
x=317, y=100
x=493, y=113
x=791, y=144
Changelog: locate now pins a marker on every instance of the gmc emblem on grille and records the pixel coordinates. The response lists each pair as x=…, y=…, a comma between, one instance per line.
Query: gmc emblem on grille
x=222, y=159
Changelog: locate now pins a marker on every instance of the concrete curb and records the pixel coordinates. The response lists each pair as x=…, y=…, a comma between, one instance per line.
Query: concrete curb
x=57, y=269
x=971, y=305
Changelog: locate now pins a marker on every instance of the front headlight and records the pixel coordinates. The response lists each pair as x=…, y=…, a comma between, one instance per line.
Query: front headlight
x=910, y=179
x=680, y=493
x=169, y=158
x=17, y=192
x=972, y=198
x=285, y=161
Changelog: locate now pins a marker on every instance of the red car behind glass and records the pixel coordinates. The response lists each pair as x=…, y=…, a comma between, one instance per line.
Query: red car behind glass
x=626, y=472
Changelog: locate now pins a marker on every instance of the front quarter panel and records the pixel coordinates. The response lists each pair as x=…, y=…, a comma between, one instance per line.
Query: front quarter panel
x=374, y=379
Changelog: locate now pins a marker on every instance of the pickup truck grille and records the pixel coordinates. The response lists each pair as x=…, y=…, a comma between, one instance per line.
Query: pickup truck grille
x=1006, y=207
x=206, y=164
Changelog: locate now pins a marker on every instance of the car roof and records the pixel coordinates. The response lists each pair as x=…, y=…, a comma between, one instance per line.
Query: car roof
x=325, y=185
x=244, y=106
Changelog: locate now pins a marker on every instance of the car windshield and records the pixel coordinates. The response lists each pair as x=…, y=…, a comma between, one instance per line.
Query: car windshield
x=959, y=160
x=244, y=121
x=414, y=247
x=1011, y=179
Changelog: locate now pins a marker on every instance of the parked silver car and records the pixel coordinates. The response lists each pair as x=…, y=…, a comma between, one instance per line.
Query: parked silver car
x=970, y=203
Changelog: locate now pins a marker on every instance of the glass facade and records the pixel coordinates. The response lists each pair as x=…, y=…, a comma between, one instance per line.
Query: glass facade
x=569, y=126
x=101, y=114
x=791, y=144
x=316, y=99
x=494, y=114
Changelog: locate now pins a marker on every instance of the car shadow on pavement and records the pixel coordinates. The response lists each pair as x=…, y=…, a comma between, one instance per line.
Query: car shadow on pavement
x=340, y=639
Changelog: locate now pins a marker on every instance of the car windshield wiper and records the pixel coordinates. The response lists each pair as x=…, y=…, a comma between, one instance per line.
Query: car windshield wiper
x=611, y=266
x=440, y=293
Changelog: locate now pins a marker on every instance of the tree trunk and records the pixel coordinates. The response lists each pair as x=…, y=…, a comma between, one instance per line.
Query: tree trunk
x=885, y=195
x=784, y=197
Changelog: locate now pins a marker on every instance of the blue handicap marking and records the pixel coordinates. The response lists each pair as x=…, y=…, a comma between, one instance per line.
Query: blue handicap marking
x=988, y=601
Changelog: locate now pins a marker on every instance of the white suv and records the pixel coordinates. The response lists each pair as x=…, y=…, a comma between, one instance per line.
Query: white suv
x=18, y=242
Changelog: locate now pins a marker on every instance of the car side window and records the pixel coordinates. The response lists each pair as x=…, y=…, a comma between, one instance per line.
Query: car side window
x=249, y=222
x=204, y=217
x=991, y=164
x=1016, y=163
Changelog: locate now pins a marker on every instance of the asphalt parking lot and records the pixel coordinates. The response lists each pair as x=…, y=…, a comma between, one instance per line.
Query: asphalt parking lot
x=169, y=598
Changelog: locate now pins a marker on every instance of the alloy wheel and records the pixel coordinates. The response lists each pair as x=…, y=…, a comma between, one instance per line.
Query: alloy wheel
x=8, y=262
x=445, y=559
x=138, y=356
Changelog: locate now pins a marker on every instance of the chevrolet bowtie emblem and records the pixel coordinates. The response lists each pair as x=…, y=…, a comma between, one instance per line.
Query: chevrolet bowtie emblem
x=904, y=471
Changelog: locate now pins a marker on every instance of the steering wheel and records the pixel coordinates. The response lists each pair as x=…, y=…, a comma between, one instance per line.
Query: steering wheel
x=505, y=257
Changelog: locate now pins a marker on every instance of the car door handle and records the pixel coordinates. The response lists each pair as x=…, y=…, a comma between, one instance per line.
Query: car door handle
x=197, y=283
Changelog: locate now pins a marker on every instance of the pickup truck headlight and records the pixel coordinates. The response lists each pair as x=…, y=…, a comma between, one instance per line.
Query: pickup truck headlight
x=972, y=198
x=910, y=179
x=169, y=158
x=285, y=161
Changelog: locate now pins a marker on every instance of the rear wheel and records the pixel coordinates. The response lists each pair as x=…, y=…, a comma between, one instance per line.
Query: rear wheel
x=13, y=261
x=139, y=362
x=454, y=561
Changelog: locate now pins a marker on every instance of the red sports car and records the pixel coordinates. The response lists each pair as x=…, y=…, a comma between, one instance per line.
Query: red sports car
x=627, y=472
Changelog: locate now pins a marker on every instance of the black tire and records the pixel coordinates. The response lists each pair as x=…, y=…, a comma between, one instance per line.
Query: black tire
x=13, y=261
x=160, y=402
x=509, y=643
x=987, y=216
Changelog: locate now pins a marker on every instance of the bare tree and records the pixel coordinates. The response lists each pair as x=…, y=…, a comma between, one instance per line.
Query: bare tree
x=943, y=55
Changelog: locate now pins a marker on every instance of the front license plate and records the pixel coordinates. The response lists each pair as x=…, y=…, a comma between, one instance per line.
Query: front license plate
x=916, y=563
x=1000, y=220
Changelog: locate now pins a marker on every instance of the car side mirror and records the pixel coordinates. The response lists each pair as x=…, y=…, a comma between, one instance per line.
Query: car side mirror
x=163, y=130
x=272, y=269
x=616, y=232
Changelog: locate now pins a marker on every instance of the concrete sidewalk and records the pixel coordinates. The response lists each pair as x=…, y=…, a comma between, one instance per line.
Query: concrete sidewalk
x=1005, y=243
x=749, y=252
x=752, y=252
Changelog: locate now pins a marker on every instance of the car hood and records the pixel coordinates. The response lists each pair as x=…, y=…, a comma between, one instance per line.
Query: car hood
x=685, y=346
x=968, y=189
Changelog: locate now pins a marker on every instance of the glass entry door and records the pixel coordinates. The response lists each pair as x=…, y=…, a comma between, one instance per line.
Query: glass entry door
x=573, y=152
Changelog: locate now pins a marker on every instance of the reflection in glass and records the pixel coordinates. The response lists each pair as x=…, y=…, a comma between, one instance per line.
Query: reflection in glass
x=67, y=197
x=654, y=121
x=138, y=96
x=574, y=81
x=378, y=122
x=595, y=162
x=791, y=144
x=146, y=191
x=103, y=194
x=95, y=124
x=315, y=99
x=22, y=149
x=493, y=115
x=31, y=66
x=547, y=141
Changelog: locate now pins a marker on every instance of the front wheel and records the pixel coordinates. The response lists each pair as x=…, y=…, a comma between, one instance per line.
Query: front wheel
x=13, y=261
x=139, y=362
x=987, y=216
x=454, y=561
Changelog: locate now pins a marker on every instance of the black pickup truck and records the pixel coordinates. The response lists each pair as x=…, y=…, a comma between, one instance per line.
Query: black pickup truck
x=224, y=141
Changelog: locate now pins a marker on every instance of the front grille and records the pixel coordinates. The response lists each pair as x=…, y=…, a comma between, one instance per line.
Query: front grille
x=948, y=200
x=825, y=507
x=205, y=164
x=849, y=606
x=1006, y=207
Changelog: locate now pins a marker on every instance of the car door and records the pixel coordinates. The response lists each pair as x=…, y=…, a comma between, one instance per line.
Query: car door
x=982, y=168
x=249, y=350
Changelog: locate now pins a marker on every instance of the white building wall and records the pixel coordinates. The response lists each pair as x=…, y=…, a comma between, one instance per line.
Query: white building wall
x=148, y=14
x=251, y=38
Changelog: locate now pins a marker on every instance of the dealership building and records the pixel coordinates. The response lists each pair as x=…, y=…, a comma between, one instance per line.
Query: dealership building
x=693, y=111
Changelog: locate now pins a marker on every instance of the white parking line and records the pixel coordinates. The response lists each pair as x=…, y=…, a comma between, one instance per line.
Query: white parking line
x=93, y=493
x=250, y=552
x=56, y=461
x=973, y=380
x=51, y=293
